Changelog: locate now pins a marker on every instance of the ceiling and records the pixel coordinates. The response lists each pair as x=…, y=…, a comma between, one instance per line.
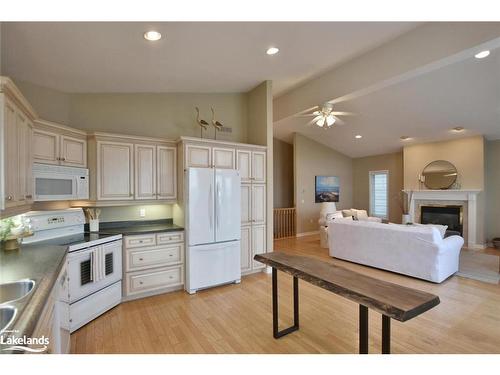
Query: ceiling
x=191, y=57
x=466, y=94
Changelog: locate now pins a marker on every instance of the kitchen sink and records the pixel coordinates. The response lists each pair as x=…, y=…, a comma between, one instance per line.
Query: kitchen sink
x=7, y=315
x=10, y=292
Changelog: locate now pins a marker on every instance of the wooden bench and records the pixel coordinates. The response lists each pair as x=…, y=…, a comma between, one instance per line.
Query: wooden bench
x=391, y=300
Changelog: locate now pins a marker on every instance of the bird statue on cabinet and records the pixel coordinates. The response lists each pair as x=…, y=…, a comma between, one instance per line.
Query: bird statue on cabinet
x=217, y=125
x=203, y=124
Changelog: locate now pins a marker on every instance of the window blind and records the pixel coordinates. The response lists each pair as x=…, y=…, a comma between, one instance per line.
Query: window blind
x=379, y=185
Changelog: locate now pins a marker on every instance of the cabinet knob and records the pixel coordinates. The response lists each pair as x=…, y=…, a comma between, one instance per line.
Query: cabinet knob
x=9, y=198
x=29, y=196
x=141, y=259
x=140, y=282
x=63, y=159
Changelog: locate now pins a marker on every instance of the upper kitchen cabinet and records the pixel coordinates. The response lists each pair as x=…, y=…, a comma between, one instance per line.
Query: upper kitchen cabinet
x=58, y=144
x=252, y=165
x=16, y=158
x=126, y=168
x=210, y=156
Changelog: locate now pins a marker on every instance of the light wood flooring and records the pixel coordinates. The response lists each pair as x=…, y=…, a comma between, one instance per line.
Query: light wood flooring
x=238, y=318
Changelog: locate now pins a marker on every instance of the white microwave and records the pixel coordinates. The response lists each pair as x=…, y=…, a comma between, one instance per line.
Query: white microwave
x=56, y=183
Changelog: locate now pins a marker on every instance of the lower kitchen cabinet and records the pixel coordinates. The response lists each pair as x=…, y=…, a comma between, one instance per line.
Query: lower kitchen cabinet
x=253, y=241
x=153, y=264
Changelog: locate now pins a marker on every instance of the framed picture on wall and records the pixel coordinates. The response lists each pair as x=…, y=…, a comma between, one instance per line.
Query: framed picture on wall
x=327, y=189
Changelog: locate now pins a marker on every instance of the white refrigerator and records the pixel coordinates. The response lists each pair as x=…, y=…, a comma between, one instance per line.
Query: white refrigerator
x=213, y=227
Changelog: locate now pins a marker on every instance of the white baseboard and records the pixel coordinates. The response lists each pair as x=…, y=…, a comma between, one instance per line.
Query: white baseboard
x=477, y=246
x=304, y=234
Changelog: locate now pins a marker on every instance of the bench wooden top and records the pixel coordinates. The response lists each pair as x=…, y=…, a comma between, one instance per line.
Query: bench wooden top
x=396, y=301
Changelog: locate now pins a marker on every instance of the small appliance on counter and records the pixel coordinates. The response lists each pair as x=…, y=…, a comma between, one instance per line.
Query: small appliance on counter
x=94, y=264
x=213, y=228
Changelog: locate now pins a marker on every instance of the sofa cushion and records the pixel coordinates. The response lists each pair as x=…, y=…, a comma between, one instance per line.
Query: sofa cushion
x=441, y=228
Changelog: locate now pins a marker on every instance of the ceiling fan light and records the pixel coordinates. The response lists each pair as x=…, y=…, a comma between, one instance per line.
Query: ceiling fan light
x=330, y=120
x=321, y=122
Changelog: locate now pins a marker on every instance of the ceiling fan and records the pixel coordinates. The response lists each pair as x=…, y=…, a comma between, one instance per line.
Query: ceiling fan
x=324, y=116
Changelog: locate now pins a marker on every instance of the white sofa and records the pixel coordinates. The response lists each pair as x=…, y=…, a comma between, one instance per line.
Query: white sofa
x=418, y=251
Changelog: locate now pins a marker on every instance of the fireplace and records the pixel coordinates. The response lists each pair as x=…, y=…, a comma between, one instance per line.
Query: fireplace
x=445, y=215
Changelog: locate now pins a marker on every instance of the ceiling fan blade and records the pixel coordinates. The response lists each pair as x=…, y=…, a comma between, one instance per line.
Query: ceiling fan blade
x=338, y=121
x=307, y=115
x=305, y=111
x=343, y=113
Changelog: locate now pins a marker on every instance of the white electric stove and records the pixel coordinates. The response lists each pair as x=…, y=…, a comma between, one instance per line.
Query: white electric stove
x=94, y=263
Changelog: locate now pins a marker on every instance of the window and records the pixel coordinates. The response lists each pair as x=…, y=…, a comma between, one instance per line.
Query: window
x=379, y=189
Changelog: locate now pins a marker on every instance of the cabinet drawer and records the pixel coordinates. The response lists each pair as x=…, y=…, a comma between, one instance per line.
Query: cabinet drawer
x=140, y=241
x=145, y=281
x=154, y=257
x=166, y=238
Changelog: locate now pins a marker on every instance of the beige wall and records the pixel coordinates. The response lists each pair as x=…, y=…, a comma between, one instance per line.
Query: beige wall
x=260, y=132
x=283, y=174
x=50, y=104
x=492, y=189
x=314, y=159
x=159, y=115
x=361, y=183
x=467, y=154
x=166, y=115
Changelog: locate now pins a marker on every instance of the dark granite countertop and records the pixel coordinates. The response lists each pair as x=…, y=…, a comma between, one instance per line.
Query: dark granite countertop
x=130, y=228
x=41, y=262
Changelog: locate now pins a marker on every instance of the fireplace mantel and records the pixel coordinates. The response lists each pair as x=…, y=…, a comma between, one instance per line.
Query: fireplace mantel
x=468, y=196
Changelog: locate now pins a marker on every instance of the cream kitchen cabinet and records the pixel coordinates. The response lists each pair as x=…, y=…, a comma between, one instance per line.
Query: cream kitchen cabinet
x=58, y=144
x=127, y=168
x=166, y=173
x=246, y=249
x=16, y=158
x=154, y=263
x=252, y=165
x=201, y=156
x=258, y=245
x=115, y=172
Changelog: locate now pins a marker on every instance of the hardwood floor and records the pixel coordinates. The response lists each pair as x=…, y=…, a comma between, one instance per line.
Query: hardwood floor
x=238, y=318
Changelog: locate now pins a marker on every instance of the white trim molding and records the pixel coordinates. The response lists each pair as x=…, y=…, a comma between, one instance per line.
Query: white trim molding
x=468, y=196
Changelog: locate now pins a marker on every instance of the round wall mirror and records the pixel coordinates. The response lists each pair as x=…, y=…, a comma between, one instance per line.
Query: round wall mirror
x=439, y=175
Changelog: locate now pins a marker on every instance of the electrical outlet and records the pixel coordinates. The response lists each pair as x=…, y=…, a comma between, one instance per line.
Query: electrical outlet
x=142, y=212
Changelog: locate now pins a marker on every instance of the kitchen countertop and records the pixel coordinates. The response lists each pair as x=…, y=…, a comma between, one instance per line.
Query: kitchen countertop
x=130, y=228
x=41, y=262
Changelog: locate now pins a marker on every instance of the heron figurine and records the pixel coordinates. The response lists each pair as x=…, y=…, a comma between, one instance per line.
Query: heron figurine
x=217, y=125
x=203, y=124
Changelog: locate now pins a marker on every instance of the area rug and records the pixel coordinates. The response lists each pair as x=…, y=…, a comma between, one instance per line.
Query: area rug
x=479, y=266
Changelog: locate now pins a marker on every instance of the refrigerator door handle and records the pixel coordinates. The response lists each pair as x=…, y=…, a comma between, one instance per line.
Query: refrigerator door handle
x=210, y=213
x=217, y=210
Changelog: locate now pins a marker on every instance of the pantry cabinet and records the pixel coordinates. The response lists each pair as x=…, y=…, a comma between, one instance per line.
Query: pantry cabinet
x=128, y=168
x=201, y=156
x=16, y=157
x=59, y=145
x=252, y=165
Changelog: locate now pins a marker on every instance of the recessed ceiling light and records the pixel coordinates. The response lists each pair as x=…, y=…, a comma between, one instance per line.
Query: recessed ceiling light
x=458, y=129
x=152, y=35
x=358, y=136
x=272, y=50
x=404, y=138
x=482, y=54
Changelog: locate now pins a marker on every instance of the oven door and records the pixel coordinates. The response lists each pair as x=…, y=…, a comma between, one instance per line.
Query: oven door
x=93, y=269
x=52, y=187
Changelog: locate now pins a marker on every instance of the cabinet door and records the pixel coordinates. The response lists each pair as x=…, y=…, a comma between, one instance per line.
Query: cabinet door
x=223, y=158
x=258, y=204
x=45, y=147
x=244, y=164
x=246, y=253
x=24, y=188
x=166, y=172
x=198, y=156
x=145, y=172
x=258, y=166
x=258, y=243
x=73, y=151
x=11, y=156
x=246, y=204
x=115, y=171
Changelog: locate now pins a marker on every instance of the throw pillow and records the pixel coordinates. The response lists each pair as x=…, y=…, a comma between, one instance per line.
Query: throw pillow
x=347, y=213
x=361, y=214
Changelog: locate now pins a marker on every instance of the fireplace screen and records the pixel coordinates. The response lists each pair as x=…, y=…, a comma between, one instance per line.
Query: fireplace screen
x=444, y=215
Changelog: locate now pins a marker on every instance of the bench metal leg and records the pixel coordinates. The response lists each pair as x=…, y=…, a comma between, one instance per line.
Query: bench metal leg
x=386, y=334
x=276, y=333
x=363, y=329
